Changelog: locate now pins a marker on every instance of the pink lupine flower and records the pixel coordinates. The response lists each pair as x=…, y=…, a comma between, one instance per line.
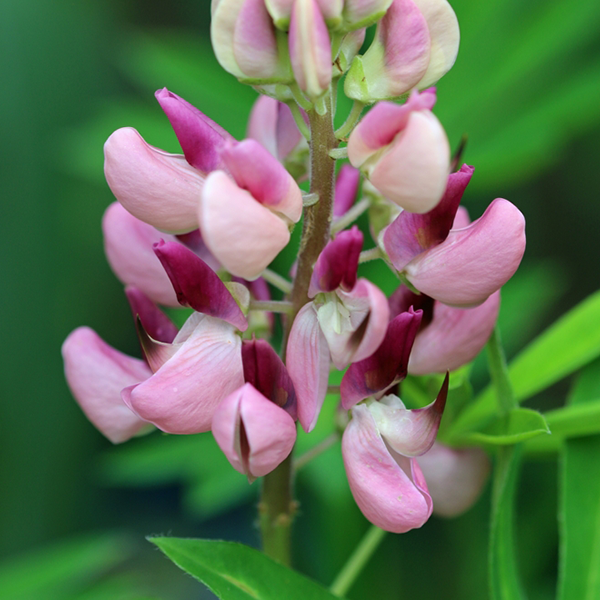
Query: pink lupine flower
x=245, y=42
x=378, y=447
x=415, y=44
x=96, y=374
x=310, y=48
x=244, y=217
x=449, y=337
x=159, y=188
x=203, y=364
x=464, y=265
x=347, y=320
x=455, y=478
x=403, y=151
x=255, y=434
x=271, y=123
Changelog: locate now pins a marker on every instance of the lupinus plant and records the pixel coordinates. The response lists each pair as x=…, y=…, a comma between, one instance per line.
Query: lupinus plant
x=199, y=230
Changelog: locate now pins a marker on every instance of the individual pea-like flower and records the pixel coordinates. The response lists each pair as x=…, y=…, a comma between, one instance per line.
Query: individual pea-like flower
x=159, y=188
x=346, y=320
x=379, y=447
x=415, y=44
x=446, y=258
x=254, y=426
x=245, y=213
x=403, y=151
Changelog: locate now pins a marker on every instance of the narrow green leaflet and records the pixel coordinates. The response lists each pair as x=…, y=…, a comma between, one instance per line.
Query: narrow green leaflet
x=579, y=566
x=568, y=422
x=567, y=345
x=518, y=425
x=237, y=572
x=503, y=573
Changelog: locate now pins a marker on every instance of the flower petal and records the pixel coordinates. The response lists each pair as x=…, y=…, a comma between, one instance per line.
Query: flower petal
x=200, y=137
x=128, y=247
x=255, y=434
x=390, y=489
x=308, y=365
x=455, y=478
x=158, y=188
x=244, y=235
x=155, y=322
x=197, y=285
x=346, y=186
x=474, y=262
x=454, y=337
x=386, y=366
x=96, y=374
x=182, y=395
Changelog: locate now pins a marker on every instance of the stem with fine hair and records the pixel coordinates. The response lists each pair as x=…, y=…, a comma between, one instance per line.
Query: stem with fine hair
x=277, y=506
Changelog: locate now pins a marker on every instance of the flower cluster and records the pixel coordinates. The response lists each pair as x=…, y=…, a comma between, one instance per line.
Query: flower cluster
x=200, y=230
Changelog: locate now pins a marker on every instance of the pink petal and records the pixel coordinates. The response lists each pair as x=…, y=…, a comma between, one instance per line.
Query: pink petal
x=389, y=489
x=413, y=172
x=255, y=434
x=200, y=137
x=455, y=478
x=197, y=285
x=242, y=234
x=445, y=37
x=410, y=234
x=155, y=322
x=386, y=366
x=255, y=44
x=308, y=365
x=346, y=186
x=368, y=319
x=396, y=60
x=337, y=264
x=182, y=395
x=257, y=171
x=224, y=17
x=310, y=48
x=266, y=372
x=361, y=13
x=473, y=262
x=409, y=432
x=280, y=11
x=271, y=123
x=128, y=247
x=454, y=337
x=96, y=374
x=383, y=123
x=158, y=188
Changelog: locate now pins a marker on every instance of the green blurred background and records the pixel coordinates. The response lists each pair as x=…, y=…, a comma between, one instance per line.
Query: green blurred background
x=73, y=510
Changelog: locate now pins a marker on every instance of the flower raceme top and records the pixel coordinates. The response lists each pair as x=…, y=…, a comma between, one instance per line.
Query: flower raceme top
x=200, y=229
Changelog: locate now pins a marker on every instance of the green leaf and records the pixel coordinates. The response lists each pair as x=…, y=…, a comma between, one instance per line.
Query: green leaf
x=568, y=422
x=579, y=567
x=567, y=345
x=237, y=572
x=503, y=572
x=518, y=425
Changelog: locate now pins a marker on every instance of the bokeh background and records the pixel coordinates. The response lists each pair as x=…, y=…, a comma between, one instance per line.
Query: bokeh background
x=74, y=510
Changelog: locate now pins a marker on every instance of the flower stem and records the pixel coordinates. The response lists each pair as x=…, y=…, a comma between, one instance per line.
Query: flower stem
x=351, y=215
x=499, y=374
x=351, y=121
x=277, y=506
x=357, y=561
x=371, y=254
x=276, y=280
x=276, y=306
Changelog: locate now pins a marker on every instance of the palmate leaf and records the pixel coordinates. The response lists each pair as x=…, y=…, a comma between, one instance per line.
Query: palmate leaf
x=237, y=572
x=579, y=568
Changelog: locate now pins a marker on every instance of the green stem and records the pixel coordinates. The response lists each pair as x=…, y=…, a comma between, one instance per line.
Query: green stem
x=371, y=254
x=351, y=121
x=299, y=119
x=499, y=374
x=276, y=511
x=357, y=561
x=277, y=506
x=347, y=219
x=276, y=280
x=276, y=306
